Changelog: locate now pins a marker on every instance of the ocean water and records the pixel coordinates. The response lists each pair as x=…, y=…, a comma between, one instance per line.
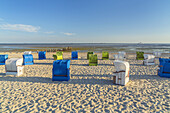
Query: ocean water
x=98, y=47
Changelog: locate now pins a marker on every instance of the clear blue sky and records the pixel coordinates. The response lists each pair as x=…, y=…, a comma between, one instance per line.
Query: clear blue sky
x=93, y=21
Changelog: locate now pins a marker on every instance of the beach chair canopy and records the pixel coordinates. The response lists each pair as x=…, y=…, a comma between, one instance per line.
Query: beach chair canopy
x=3, y=58
x=121, y=65
x=42, y=55
x=139, y=55
x=164, y=67
x=27, y=52
x=28, y=59
x=88, y=53
x=93, y=60
x=74, y=55
x=61, y=70
x=12, y=63
x=105, y=55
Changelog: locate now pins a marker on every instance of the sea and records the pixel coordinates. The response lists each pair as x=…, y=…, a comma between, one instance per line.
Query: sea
x=97, y=47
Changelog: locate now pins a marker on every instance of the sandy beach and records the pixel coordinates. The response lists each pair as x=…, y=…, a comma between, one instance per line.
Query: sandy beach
x=90, y=89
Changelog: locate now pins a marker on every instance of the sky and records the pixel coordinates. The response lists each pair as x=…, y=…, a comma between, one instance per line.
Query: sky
x=84, y=21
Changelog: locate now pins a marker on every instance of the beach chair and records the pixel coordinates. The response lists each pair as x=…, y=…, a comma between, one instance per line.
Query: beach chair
x=14, y=66
x=28, y=59
x=3, y=58
x=61, y=70
x=27, y=52
x=42, y=55
x=105, y=55
x=119, y=57
x=121, y=76
x=58, y=56
x=88, y=55
x=122, y=54
x=157, y=54
x=164, y=67
x=149, y=59
x=93, y=60
x=74, y=55
x=139, y=55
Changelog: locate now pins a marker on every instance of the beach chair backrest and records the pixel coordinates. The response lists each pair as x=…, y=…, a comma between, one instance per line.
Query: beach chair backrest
x=74, y=54
x=105, y=55
x=59, y=53
x=60, y=67
x=28, y=59
x=93, y=58
x=2, y=59
x=165, y=65
x=41, y=54
x=140, y=55
x=88, y=53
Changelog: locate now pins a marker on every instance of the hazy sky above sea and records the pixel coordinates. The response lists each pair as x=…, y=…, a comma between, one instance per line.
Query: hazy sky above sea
x=113, y=21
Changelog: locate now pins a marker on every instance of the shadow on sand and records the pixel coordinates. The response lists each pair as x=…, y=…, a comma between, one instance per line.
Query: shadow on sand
x=79, y=64
x=43, y=63
x=88, y=64
x=44, y=59
x=142, y=65
x=75, y=81
x=105, y=65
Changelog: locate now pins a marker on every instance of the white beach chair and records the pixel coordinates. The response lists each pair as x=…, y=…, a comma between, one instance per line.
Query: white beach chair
x=122, y=72
x=14, y=66
x=27, y=52
x=122, y=53
x=157, y=54
x=149, y=59
x=120, y=56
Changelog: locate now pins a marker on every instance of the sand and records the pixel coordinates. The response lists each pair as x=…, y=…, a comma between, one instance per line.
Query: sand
x=90, y=89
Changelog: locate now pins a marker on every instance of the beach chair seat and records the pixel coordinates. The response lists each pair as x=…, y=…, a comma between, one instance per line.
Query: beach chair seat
x=105, y=55
x=88, y=53
x=74, y=55
x=157, y=54
x=3, y=58
x=93, y=60
x=121, y=76
x=164, y=67
x=14, y=66
x=149, y=59
x=61, y=70
x=58, y=56
x=139, y=55
x=28, y=59
x=42, y=55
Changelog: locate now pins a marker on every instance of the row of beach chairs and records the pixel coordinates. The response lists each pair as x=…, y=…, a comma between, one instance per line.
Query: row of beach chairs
x=61, y=68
